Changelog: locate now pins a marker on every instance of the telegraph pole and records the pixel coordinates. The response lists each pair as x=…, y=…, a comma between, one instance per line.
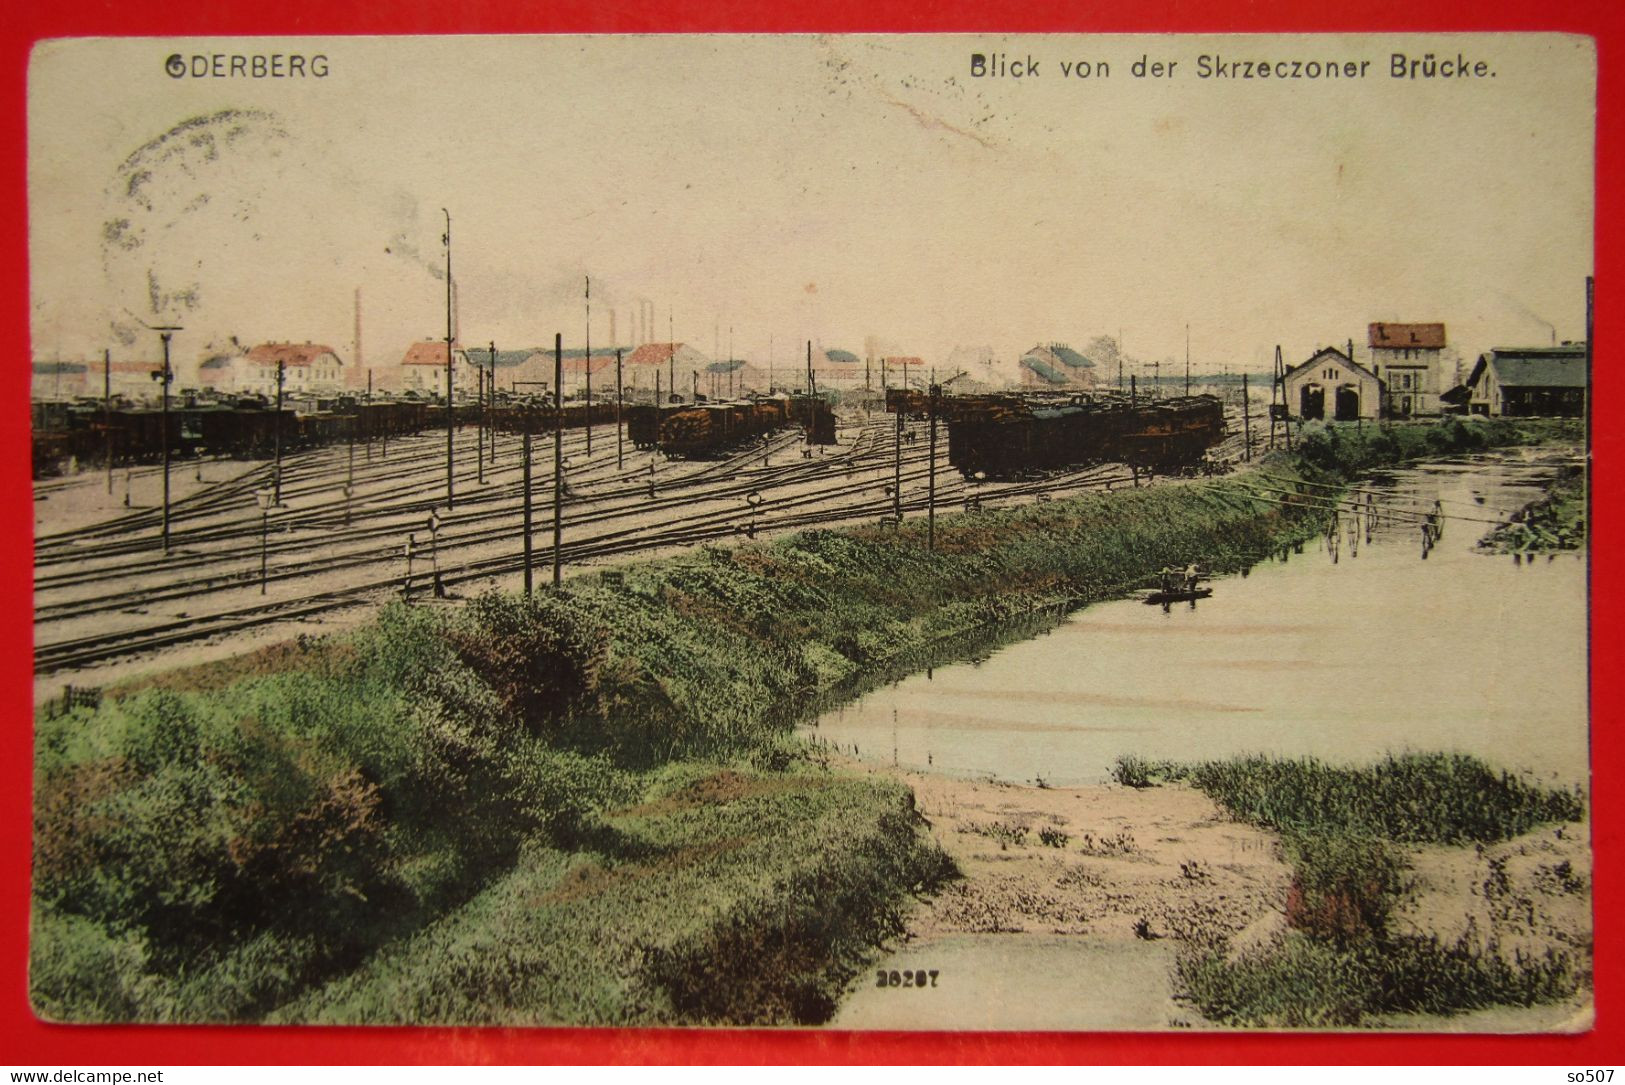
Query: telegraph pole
x=164, y=376
x=107, y=411
x=525, y=423
x=620, y=433
x=897, y=466
x=349, y=481
x=451, y=428
x=558, y=450
x=479, y=422
x=931, y=474
x=491, y=403
x=276, y=431
x=1246, y=423
x=589, y=367
x=1188, y=359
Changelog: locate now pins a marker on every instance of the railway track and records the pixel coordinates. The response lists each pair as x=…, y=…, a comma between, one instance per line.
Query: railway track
x=610, y=513
x=792, y=512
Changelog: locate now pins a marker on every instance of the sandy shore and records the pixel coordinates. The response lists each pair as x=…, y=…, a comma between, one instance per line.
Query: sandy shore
x=1075, y=902
x=1072, y=906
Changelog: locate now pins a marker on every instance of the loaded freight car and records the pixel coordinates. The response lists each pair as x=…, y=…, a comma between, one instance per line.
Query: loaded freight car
x=1008, y=436
x=1173, y=433
x=699, y=430
x=707, y=429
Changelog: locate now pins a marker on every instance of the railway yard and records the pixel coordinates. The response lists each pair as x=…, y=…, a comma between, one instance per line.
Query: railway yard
x=243, y=568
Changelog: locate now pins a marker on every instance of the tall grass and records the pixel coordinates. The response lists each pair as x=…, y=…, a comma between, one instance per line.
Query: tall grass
x=1311, y=983
x=731, y=898
x=217, y=849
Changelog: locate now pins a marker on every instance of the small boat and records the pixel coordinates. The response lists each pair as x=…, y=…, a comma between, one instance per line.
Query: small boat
x=1178, y=596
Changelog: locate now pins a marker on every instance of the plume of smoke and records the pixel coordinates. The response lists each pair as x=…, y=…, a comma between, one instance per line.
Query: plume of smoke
x=1523, y=310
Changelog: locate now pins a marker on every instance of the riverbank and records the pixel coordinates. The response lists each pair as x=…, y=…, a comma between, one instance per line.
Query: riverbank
x=1129, y=908
x=275, y=836
x=1555, y=521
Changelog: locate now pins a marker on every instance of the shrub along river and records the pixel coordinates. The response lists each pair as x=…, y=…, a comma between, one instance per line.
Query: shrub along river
x=1360, y=644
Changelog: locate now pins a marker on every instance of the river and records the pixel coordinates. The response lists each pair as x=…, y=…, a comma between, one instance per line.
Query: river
x=1345, y=651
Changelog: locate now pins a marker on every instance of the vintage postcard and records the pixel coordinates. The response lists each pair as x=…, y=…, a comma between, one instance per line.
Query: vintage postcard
x=944, y=532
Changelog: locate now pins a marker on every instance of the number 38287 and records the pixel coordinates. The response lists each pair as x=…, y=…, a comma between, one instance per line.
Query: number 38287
x=908, y=977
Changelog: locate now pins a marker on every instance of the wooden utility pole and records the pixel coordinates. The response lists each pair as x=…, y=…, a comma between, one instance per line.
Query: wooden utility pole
x=451, y=426
x=1187, y=359
x=620, y=433
x=931, y=473
x=1246, y=423
x=558, y=453
x=107, y=411
x=589, y=367
x=164, y=377
x=276, y=430
x=525, y=420
x=349, y=478
x=491, y=401
x=897, y=467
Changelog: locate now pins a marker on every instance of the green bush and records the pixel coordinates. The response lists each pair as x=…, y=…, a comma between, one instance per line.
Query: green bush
x=1343, y=887
x=1412, y=798
x=308, y=814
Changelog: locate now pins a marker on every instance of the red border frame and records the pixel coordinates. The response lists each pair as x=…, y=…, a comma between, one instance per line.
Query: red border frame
x=26, y=1040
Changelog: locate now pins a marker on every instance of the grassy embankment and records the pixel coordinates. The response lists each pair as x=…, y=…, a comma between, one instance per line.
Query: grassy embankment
x=582, y=808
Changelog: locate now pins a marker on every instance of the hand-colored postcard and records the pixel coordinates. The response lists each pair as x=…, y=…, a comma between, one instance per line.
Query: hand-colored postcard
x=1060, y=532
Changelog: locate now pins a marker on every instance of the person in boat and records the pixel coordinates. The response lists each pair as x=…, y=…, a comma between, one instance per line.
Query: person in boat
x=1192, y=576
x=1167, y=579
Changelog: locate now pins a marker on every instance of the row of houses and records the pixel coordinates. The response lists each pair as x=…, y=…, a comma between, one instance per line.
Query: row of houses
x=1410, y=372
x=314, y=368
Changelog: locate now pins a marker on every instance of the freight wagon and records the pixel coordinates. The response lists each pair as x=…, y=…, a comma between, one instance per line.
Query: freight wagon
x=698, y=430
x=1009, y=436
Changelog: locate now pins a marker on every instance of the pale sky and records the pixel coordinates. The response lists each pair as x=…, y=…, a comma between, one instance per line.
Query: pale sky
x=831, y=188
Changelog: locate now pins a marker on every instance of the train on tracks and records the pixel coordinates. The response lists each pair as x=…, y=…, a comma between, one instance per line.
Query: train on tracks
x=1005, y=436
x=701, y=430
x=89, y=432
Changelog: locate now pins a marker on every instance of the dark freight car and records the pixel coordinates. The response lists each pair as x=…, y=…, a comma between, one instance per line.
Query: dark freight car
x=1008, y=436
x=699, y=430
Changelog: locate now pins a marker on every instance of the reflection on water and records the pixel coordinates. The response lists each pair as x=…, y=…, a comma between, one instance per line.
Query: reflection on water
x=1386, y=635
